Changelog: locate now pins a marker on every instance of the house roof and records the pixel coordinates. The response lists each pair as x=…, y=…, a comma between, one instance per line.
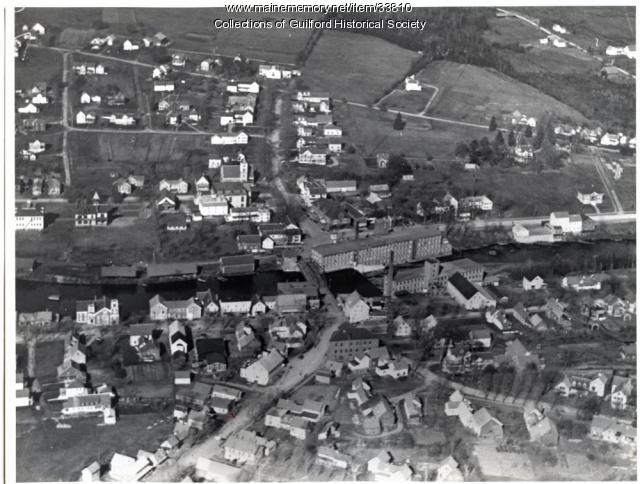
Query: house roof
x=411, y=233
x=171, y=269
x=118, y=271
x=206, y=347
x=462, y=284
x=348, y=332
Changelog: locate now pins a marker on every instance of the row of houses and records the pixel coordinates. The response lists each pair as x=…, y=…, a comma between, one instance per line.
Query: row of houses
x=295, y=299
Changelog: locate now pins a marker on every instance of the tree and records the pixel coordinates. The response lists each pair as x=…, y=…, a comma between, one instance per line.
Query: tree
x=396, y=168
x=461, y=150
x=512, y=139
x=499, y=138
x=527, y=132
x=493, y=124
x=398, y=123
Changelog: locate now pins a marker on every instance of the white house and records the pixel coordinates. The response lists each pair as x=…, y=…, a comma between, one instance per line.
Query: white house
x=29, y=219
x=614, y=51
x=213, y=205
x=610, y=139
x=534, y=284
x=239, y=138
x=621, y=390
x=30, y=108
x=593, y=198
x=85, y=118
x=178, y=338
x=39, y=98
x=261, y=370
x=412, y=84
x=129, y=46
x=568, y=224
x=559, y=28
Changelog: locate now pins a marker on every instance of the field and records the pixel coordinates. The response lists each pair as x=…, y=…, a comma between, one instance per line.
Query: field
x=281, y=46
x=40, y=65
x=357, y=67
x=409, y=101
x=626, y=188
x=475, y=94
x=613, y=25
x=513, y=192
x=510, y=30
x=547, y=59
x=58, y=17
x=96, y=156
x=48, y=356
x=371, y=132
x=119, y=78
x=68, y=451
x=62, y=242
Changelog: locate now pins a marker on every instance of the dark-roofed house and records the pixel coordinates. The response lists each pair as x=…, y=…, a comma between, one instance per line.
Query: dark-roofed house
x=249, y=243
x=517, y=355
x=349, y=342
x=128, y=272
x=172, y=269
x=237, y=265
x=211, y=353
x=467, y=294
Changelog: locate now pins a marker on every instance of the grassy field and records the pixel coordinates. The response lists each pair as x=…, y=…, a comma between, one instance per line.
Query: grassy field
x=58, y=17
x=547, y=59
x=372, y=132
x=626, y=188
x=202, y=241
x=40, y=65
x=356, y=67
x=62, y=242
x=119, y=78
x=269, y=45
x=475, y=94
x=409, y=101
x=96, y=156
x=510, y=30
x=48, y=356
x=513, y=192
x=68, y=451
x=611, y=24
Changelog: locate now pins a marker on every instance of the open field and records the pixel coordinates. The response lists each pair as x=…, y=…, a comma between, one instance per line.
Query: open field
x=270, y=45
x=626, y=188
x=61, y=241
x=58, y=17
x=475, y=94
x=614, y=25
x=68, y=450
x=510, y=30
x=357, y=67
x=544, y=59
x=204, y=240
x=40, y=65
x=513, y=192
x=48, y=356
x=409, y=101
x=119, y=78
x=96, y=156
x=372, y=132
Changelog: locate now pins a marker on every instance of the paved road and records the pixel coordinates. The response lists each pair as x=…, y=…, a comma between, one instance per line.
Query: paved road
x=606, y=181
x=65, y=119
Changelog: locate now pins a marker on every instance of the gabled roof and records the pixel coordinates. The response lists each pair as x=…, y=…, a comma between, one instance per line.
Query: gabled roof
x=462, y=284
